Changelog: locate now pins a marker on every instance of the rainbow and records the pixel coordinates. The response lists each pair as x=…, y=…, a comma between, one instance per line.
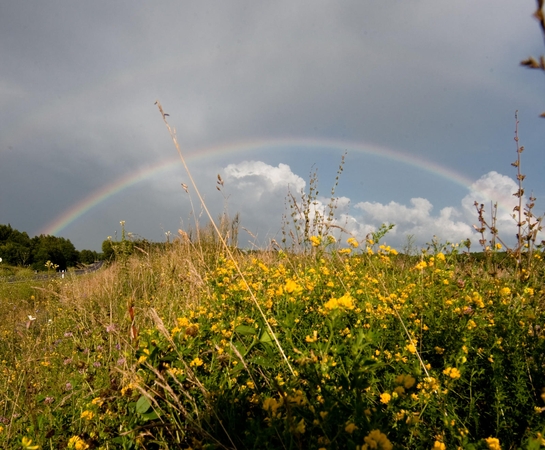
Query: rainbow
x=97, y=197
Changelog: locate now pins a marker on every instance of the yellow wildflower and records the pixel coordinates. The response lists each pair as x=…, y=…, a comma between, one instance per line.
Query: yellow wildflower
x=438, y=445
x=505, y=291
x=312, y=339
x=411, y=348
x=272, y=405
x=182, y=322
x=350, y=427
x=409, y=381
x=529, y=291
x=300, y=428
x=345, y=302
x=27, y=444
x=97, y=401
x=493, y=443
x=87, y=415
x=197, y=362
x=377, y=440
x=385, y=398
x=421, y=265
x=452, y=372
x=352, y=242
x=399, y=390
x=77, y=443
x=315, y=241
x=440, y=256
x=292, y=287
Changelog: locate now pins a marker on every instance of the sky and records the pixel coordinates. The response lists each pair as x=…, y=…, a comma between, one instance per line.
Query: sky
x=420, y=96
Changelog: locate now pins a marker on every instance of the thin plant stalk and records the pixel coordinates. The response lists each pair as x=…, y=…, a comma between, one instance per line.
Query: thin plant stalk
x=222, y=240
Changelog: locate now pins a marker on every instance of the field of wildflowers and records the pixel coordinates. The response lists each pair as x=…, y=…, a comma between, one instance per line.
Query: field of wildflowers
x=342, y=345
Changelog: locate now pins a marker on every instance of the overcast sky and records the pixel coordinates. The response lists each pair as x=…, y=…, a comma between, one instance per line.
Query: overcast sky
x=420, y=93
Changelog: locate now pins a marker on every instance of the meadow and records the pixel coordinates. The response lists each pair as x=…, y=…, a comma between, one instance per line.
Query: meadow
x=333, y=344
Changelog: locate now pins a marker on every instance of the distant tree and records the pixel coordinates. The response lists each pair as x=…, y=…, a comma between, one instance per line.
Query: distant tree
x=88, y=256
x=15, y=247
x=15, y=254
x=58, y=250
x=108, y=252
x=18, y=249
x=5, y=232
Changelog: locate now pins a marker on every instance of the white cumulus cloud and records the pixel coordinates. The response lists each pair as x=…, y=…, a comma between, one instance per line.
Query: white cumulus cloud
x=259, y=177
x=258, y=191
x=416, y=220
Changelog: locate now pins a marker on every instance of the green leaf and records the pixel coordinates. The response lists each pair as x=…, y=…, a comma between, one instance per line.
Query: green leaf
x=150, y=416
x=236, y=368
x=263, y=362
x=241, y=348
x=265, y=337
x=245, y=330
x=143, y=405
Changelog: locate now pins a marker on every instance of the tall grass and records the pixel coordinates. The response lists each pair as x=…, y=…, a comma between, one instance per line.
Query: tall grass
x=203, y=369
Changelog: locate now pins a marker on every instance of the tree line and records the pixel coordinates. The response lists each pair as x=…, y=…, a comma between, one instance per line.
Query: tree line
x=18, y=249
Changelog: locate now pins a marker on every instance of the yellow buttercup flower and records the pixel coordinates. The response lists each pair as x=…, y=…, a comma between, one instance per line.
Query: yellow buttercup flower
x=385, y=398
x=493, y=443
x=377, y=440
x=77, y=443
x=27, y=444
x=300, y=428
x=352, y=242
x=197, y=362
x=452, y=372
x=345, y=302
x=292, y=287
x=272, y=405
x=88, y=415
x=421, y=265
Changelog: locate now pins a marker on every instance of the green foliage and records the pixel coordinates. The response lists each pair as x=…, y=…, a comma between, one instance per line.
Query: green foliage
x=17, y=249
x=88, y=256
x=57, y=250
x=108, y=252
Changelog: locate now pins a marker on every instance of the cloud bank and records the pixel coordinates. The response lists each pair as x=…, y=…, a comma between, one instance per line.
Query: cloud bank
x=258, y=192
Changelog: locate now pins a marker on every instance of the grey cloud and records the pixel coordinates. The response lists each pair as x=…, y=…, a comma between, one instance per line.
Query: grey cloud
x=437, y=80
